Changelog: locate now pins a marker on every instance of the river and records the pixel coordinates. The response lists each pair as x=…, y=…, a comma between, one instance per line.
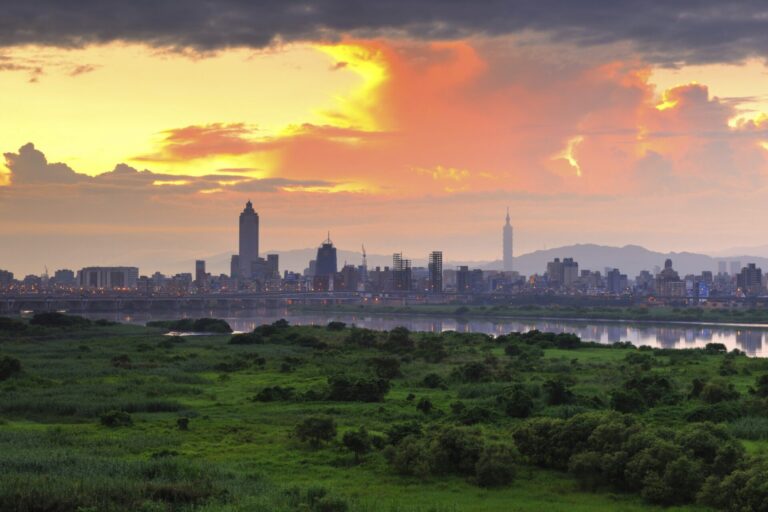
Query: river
x=748, y=338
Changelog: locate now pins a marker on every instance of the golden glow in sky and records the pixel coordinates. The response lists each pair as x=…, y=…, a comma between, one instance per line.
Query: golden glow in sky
x=97, y=106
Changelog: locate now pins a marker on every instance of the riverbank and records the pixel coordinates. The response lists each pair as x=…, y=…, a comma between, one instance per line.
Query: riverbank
x=692, y=316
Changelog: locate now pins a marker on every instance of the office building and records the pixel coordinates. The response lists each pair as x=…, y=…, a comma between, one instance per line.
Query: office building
x=201, y=279
x=735, y=268
x=750, y=280
x=249, y=240
x=401, y=273
x=435, y=267
x=325, y=263
x=108, y=278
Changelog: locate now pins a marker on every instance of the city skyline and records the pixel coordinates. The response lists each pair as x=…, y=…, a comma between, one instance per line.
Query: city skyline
x=404, y=131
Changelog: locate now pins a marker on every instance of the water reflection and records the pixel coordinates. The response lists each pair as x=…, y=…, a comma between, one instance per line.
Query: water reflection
x=748, y=339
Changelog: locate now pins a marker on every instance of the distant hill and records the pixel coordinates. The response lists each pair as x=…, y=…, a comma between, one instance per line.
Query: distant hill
x=630, y=259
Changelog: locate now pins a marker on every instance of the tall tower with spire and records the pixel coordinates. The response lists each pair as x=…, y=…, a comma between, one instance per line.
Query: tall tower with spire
x=249, y=240
x=507, y=244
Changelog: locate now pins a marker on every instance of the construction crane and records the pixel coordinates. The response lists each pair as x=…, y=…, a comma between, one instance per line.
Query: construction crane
x=365, y=260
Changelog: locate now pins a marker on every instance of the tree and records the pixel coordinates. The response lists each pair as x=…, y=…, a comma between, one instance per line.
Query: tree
x=315, y=430
x=114, y=419
x=496, y=466
x=358, y=442
x=519, y=403
x=716, y=391
x=385, y=367
x=557, y=392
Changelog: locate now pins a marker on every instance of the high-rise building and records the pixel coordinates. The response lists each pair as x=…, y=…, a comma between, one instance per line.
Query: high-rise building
x=722, y=267
x=507, y=241
x=401, y=272
x=436, y=272
x=735, y=268
x=201, y=278
x=750, y=280
x=463, y=279
x=64, y=277
x=108, y=277
x=249, y=240
x=273, y=264
x=326, y=264
x=668, y=282
x=234, y=267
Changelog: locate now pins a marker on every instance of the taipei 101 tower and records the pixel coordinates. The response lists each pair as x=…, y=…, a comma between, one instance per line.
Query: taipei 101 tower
x=507, y=240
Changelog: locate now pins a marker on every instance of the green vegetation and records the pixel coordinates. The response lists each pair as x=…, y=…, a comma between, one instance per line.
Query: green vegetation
x=98, y=417
x=562, y=311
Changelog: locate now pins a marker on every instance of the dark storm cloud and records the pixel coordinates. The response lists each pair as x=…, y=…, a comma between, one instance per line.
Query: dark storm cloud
x=665, y=32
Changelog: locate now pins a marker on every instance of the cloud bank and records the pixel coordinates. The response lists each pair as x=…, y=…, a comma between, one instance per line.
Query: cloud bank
x=663, y=32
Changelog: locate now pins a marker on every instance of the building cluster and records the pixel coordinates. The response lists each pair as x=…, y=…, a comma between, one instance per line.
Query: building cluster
x=250, y=272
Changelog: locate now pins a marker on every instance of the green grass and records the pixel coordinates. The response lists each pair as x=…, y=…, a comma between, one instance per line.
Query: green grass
x=240, y=455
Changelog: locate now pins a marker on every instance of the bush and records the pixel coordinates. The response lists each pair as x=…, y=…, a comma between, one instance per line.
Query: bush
x=315, y=430
x=716, y=391
x=59, y=320
x=358, y=442
x=433, y=381
x=518, y=403
x=115, y=419
x=9, y=367
x=336, y=326
x=11, y=325
x=496, y=466
x=348, y=389
x=274, y=394
x=248, y=338
x=424, y=405
x=557, y=392
x=385, y=367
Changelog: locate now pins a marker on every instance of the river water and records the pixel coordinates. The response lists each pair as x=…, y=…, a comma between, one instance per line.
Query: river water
x=750, y=339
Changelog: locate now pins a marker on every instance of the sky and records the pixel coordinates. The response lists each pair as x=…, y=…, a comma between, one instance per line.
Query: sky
x=134, y=132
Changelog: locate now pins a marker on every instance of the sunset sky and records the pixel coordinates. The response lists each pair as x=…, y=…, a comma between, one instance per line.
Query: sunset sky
x=134, y=132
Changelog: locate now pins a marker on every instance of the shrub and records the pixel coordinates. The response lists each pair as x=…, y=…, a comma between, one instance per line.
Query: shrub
x=433, y=381
x=518, y=403
x=424, y=405
x=385, y=367
x=115, y=419
x=557, y=392
x=246, y=338
x=400, y=431
x=358, y=442
x=716, y=391
x=336, y=326
x=348, y=389
x=496, y=466
x=11, y=325
x=275, y=393
x=9, y=367
x=315, y=430
x=59, y=320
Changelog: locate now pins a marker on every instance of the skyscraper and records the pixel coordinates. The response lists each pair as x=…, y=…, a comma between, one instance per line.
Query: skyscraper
x=249, y=240
x=436, y=272
x=507, y=240
x=201, y=278
x=326, y=259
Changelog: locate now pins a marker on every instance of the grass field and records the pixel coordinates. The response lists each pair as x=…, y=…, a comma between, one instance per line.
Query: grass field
x=91, y=419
